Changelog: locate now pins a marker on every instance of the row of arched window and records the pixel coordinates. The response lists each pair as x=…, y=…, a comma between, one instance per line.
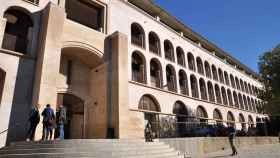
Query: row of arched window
x=194, y=64
x=149, y=103
x=199, y=88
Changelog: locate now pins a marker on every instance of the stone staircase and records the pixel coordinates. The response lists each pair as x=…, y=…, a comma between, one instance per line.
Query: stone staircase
x=93, y=148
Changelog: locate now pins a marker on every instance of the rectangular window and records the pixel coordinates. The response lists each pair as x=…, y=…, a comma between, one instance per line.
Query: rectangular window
x=69, y=72
x=86, y=13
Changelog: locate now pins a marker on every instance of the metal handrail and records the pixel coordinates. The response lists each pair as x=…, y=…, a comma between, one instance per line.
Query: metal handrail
x=4, y=131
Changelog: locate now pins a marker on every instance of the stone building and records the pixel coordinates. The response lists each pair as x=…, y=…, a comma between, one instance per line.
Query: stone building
x=115, y=64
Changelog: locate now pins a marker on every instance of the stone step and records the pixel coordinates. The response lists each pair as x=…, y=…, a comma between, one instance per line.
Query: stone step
x=84, y=149
x=89, y=148
x=84, y=154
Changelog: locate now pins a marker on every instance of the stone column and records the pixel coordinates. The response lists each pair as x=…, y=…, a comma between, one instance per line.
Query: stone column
x=122, y=120
x=48, y=60
x=2, y=30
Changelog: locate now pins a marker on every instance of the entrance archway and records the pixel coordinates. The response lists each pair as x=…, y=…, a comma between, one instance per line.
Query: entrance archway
x=82, y=90
x=148, y=103
x=75, y=126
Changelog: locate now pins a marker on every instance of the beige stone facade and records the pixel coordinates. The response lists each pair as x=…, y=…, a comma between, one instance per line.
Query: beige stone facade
x=114, y=64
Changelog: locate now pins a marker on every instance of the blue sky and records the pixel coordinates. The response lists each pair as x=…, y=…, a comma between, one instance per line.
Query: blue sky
x=244, y=28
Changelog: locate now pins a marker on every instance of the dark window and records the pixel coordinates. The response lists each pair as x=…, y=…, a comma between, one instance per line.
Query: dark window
x=218, y=94
x=203, y=91
x=183, y=82
x=194, y=87
x=191, y=62
x=180, y=56
x=215, y=73
x=169, y=51
x=207, y=69
x=211, y=93
x=86, y=13
x=138, y=68
x=199, y=66
x=171, y=78
x=18, y=31
x=154, y=43
x=69, y=72
x=156, y=73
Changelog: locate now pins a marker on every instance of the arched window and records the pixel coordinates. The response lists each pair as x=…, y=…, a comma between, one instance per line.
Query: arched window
x=217, y=116
x=191, y=62
x=237, y=83
x=221, y=76
x=147, y=102
x=199, y=65
x=245, y=102
x=18, y=31
x=203, y=90
x=214, y=73
x=242, y=121
x=218, y=94
x=183, y=82
x=230, y=119
x=154, y=43
x=240, y=100
x=232, y=81
x=207, y=69
x=235, y=98
x=249, y=103
x=156, y=73
x=169, y=50
x=246, y=87
x=2, y=82
x=224, y=95
x=181, y=112
x=226, y=78
x=230, y=101
x=211, y=93
x=250, y=90
x=201, y=114
x=241, y=85
x=138, y=67
x=137, y=35
x=256, y=106
x=180, y=56
x=253, y=105
x=194, y=87
x=171, y=78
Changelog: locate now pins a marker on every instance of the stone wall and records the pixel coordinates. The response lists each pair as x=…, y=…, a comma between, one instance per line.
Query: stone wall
x=198, y=147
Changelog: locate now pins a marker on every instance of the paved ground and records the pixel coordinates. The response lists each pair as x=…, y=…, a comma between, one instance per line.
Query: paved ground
x=263, y=151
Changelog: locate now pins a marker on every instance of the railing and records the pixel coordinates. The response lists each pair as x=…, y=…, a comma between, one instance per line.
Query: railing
x=36, y=2
x=4, y=131
x=154, y=49
x=14, y=43
x=139, y=41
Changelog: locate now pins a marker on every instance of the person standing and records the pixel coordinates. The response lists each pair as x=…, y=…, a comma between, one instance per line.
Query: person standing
x=34, y=119
x=231, y=137
x=61, y=121
x=48, y=122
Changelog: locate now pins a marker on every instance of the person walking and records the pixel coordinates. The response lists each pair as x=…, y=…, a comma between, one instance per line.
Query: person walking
x=61, y=121
x=231, y=137
x=48, y=122
x=34, y=119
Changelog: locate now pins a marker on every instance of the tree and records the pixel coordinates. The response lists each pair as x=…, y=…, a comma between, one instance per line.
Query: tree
x=269, y=66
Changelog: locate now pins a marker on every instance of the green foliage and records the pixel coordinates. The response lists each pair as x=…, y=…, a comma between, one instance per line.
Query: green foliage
x=269, y=66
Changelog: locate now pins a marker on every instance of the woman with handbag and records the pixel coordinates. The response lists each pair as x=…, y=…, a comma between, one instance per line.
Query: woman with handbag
x=48, y=122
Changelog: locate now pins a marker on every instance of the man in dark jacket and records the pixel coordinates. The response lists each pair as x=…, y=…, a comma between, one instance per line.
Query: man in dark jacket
x=34, y=119
x=61, y=121
x=48, y=122
x=231, y=137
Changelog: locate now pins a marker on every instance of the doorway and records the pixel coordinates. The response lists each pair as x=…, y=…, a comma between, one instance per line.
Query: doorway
x=75, y=124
